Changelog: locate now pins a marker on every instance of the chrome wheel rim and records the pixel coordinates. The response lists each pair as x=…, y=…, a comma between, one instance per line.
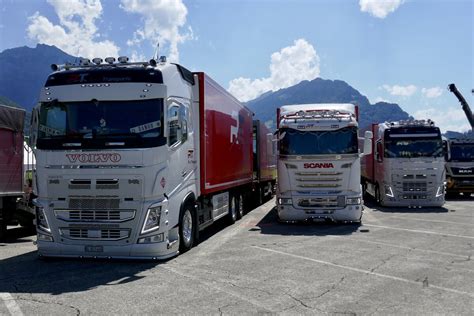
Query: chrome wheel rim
x=187, y=227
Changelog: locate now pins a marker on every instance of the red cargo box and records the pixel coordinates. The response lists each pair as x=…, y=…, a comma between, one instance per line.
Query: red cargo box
x=367, y=162
x=226, y=138
x=265, y=162
x=11, y=150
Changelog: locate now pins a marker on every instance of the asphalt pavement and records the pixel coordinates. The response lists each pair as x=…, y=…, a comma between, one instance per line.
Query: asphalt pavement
x=399, y=261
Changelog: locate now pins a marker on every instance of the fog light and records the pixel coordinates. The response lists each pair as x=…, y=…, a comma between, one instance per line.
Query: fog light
x=353, y=200
x=151, y=239
x=285, y=201
x=152, y=219
x=44, y=237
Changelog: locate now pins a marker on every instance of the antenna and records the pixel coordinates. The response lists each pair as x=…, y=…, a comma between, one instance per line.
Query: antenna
x=157, y=50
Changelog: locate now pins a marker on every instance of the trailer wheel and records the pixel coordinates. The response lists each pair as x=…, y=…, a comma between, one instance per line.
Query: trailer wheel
x=187, y=226
x=240, y=206
x=232, y=216
x=378, y=200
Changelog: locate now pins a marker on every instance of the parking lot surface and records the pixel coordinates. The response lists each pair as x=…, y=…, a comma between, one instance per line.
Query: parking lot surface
x=399, y=261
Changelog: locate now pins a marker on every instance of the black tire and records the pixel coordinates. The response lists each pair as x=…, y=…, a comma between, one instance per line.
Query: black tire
x=378, y=200
x=240, y=206
x=187, y=228
x=232, y=213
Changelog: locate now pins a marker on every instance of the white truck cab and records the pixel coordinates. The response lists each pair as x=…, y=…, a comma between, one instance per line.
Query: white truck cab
x=319, y=163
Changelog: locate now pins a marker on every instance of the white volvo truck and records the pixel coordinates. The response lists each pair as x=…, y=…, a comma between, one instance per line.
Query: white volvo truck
x=319, y=163
x=407, y=166
x=134, y=159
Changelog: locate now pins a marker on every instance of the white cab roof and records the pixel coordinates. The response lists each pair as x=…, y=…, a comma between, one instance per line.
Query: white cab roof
x=343, y=107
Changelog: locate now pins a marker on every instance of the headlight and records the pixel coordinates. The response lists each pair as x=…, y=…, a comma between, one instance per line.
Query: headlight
x=285, y=201
x=388, y=191
x=440, y=191
x=353, y=200
x=42, y=220
x=152, y=220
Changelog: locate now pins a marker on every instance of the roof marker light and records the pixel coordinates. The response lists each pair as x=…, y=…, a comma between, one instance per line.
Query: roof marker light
x=97, y=61
x=110, y=60
x=54, y=67
x=123, y=59
x=152, y=62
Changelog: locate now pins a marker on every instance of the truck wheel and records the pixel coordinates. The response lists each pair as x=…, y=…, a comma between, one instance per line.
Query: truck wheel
x=187, y=226
x=240, y=206
x=232, y=216
x=377, y=195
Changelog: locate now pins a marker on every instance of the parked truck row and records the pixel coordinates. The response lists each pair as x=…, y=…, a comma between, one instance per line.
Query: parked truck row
x=135, y=159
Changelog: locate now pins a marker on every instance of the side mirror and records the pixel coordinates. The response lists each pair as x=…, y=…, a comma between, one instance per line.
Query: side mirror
x=31, y=141
x=367, y=143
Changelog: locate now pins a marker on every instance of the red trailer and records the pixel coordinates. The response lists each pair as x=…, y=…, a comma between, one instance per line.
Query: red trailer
x=11, y=162
x=264, y=164
x=226, y=138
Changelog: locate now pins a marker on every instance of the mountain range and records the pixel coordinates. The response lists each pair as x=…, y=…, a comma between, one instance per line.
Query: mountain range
x=24, y=70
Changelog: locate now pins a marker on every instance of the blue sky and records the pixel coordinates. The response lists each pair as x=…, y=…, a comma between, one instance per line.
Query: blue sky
x=403, y=51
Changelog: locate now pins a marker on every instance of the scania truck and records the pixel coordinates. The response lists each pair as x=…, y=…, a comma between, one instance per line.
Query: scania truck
x=319, y=163
x=460, y=166
x=406, y=167
x=134, y=159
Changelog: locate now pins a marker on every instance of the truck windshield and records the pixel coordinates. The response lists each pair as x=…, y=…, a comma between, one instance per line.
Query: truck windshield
x=462, y=152
x=296, y=142
x=413, y=147
x=101, y=124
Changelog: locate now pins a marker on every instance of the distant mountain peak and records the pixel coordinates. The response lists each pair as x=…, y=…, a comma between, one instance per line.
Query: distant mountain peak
x=321, y=90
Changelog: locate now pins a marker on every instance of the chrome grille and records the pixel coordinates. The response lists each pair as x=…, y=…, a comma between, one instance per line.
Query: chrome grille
x=95, y=215
x=94, y=233
x=323, y=202
x=99, y=204
x=414, y=186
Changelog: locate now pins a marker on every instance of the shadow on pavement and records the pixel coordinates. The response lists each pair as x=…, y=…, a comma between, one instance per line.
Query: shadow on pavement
x=270, y=225
x=19, y=234
x=27, y=273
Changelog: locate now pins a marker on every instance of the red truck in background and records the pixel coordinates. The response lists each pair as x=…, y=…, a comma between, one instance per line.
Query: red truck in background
x=150, y=154
x=264, y=161
x=12, y=176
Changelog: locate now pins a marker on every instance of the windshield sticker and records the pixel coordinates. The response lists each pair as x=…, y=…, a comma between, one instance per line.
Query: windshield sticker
x=49, y=131
x=145, y=127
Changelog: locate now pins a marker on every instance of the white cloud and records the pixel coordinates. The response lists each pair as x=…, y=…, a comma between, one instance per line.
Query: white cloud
x=163, y=21
x=451, y=119
x=431, y=93
x=288, y=67
x=403, y=91
x=76, y=33
x=379, y=8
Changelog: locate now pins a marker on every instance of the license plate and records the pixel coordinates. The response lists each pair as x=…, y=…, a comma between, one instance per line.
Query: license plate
x=94, y=249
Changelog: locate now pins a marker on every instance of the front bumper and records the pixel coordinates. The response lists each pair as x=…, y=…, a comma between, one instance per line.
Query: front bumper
x=350, y=213
x=161, y=250
x=428, y=202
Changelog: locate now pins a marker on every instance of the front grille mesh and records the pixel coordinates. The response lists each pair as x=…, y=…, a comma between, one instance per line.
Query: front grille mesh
x=95, y=234
x=414, y=186
x=97, y=204
x=94, y=215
